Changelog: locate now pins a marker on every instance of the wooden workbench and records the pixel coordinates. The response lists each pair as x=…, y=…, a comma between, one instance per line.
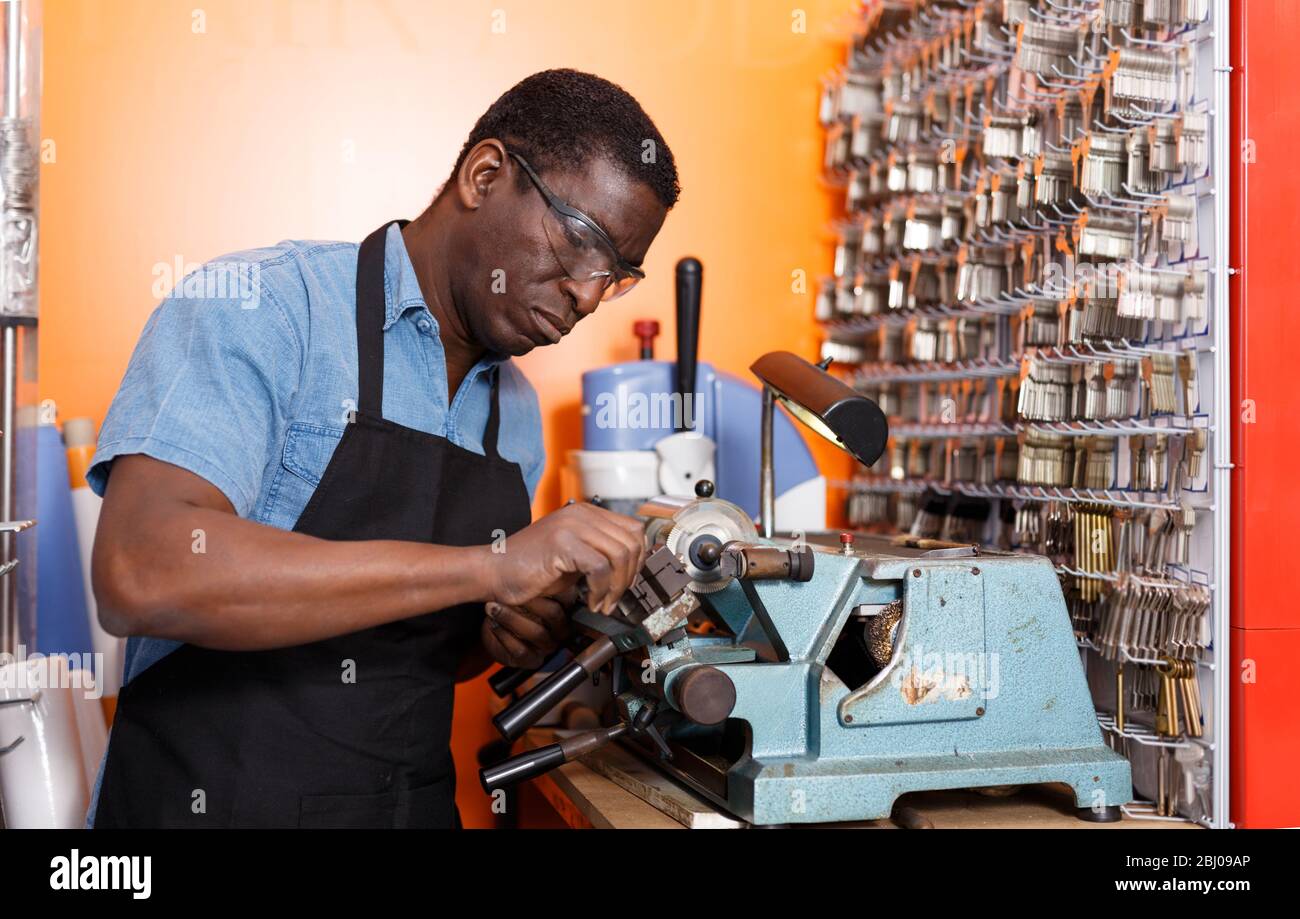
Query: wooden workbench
x=615, y=789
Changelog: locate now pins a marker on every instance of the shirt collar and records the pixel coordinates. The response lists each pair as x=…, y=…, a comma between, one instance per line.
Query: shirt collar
x=402, y=289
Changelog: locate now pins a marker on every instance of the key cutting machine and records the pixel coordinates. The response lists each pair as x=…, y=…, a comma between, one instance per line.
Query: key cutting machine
x=809, y=682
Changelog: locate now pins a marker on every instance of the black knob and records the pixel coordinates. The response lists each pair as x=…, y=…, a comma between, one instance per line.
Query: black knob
x=704, y=489
x=705, y=695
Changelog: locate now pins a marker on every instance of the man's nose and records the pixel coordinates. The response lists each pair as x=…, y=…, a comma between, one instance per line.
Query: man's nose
x=585, y=294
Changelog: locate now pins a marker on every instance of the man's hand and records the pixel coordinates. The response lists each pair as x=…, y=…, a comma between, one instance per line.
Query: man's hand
x=577, y=541
x=525, y=636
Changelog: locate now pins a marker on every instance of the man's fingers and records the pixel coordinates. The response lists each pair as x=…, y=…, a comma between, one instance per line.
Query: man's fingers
x=523, y=655
x=604, y=548
x=551, y=615
x=621, y=540
x=517, y=624
x=492, y=642
x=625, y=547
x=595, y=564
x=567, y=595
x=634, y=535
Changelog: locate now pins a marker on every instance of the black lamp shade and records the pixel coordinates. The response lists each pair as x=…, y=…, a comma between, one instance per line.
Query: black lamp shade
x=834, y=410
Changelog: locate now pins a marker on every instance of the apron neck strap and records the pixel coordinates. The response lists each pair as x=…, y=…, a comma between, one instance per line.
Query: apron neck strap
x=371, y=307
x=494, y=417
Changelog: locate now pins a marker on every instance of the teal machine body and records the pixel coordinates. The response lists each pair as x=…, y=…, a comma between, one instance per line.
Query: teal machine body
x=983, y=686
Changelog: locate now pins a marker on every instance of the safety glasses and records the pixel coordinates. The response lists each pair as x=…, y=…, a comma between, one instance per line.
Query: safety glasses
x=583, y=249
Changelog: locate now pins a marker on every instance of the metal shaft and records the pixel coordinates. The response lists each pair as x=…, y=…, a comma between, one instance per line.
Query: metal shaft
x=9, y=632
x=767, y=480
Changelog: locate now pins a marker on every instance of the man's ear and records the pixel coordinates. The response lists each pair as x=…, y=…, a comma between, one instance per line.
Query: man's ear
x=485, y=164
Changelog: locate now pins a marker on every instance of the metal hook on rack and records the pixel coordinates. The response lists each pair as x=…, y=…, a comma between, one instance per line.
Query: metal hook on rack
x=1050, y=19
x=1168, y=43
x=1009, y=45
x=1173, y=114
x=1143, y=204
x=1057, y=223
x=998, y=61
x=944, y=68
x=1083, y=66
x=1095, y=56
x=1067, y=220
x=1132, y=122
x=1052, y=96
x=1108, y=206
x=1066, y=8
x=1083, y=76
x=1065, y=87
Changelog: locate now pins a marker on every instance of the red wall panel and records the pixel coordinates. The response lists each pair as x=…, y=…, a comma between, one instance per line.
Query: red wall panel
x=1265, y=250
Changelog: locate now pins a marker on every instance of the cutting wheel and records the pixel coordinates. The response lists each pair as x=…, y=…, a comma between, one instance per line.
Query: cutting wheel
x=704, y=522
x=882, y=632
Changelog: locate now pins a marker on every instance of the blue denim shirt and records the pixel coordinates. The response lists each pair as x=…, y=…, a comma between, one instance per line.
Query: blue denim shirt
x=246, y=373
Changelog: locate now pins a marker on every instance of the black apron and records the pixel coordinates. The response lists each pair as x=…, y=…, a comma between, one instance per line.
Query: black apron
x=353, y=731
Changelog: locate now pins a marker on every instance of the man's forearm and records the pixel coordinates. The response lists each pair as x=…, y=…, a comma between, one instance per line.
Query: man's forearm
x=239, y=585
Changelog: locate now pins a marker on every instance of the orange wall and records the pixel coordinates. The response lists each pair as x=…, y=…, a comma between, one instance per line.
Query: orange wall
x=319, y=119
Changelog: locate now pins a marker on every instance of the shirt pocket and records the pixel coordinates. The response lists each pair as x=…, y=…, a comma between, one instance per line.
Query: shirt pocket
x=308, y=449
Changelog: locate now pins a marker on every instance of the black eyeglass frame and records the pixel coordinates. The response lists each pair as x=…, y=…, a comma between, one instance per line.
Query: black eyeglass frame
x=559, y=204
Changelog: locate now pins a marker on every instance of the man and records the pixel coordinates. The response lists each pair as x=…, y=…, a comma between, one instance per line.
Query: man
x=315, y=491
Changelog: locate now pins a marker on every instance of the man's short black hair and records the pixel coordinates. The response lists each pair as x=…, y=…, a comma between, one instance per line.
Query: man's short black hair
x=561, y=119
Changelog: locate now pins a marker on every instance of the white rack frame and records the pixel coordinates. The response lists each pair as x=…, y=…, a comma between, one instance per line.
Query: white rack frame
x=1213, y=342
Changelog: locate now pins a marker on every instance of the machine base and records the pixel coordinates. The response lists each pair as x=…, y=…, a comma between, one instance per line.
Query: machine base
x=786, y=791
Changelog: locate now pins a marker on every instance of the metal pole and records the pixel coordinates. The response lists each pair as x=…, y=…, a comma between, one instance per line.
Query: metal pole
x=9, y=626
x=767, y=474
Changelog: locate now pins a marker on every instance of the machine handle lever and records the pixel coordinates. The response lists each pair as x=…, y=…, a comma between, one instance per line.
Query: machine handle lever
x=506, y=680
x=532, y=763
x=512, y=721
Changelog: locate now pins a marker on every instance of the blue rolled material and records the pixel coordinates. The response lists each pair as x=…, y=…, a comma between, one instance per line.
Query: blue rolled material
x=62, y=625
x=728, y=410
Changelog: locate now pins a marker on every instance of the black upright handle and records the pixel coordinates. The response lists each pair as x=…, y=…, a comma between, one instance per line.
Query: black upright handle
x=690, y=282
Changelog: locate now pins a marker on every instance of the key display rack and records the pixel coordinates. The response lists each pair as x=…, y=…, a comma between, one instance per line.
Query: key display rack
x=1030, y=278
